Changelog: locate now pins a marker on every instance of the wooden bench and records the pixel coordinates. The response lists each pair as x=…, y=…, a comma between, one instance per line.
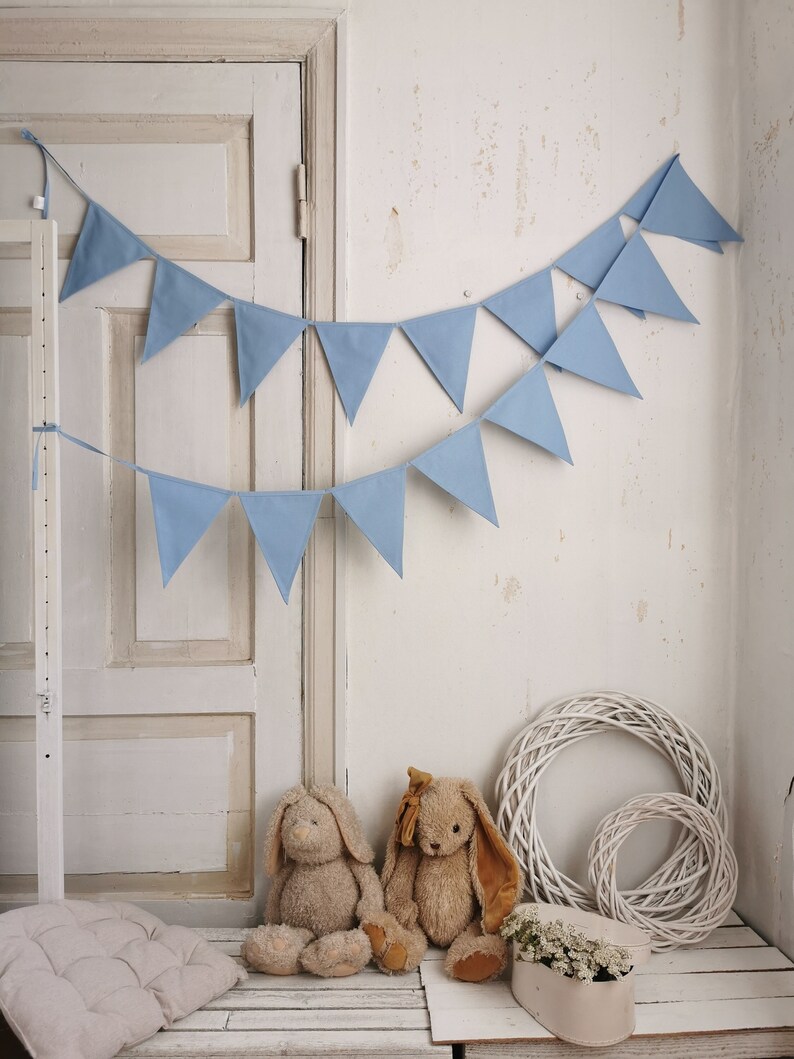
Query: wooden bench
x=732, y=997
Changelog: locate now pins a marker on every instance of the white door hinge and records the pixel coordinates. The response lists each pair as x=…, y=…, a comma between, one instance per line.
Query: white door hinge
x=300, y=184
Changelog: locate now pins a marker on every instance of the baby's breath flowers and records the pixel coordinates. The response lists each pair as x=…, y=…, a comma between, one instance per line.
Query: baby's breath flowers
x=564, y=949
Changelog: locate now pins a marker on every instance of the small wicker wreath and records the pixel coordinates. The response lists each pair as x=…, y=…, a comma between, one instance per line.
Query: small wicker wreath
x=673, y=913
x=567, y=722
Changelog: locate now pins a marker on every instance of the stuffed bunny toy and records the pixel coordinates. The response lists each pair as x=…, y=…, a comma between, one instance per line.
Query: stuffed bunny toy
x=323, y=884
x=449, y=877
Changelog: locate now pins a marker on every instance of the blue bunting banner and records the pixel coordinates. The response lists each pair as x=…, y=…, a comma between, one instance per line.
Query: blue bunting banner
x=620, y=270
x=668, y=203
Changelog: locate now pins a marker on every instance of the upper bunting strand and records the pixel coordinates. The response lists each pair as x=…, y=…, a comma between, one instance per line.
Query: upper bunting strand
x=668, y=203
x=282, y=522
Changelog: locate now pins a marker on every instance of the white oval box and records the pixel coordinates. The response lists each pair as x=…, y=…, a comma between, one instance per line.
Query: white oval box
x=595, y=1014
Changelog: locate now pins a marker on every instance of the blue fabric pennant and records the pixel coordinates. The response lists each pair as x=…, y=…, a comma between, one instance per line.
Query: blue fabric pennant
x=680, y=208
x=458, y=466
x=528, y=309
x=443, y=340
x=707, y=244
x=282, y=524
x=183, y=512
x=586, y=348
x=377, y=506
x=104, y=246
x=638, y=280
x=179, y=300
x=528, y=409
x=353, y=352
x=590, y=260
x=263, y=336
x=641, y=200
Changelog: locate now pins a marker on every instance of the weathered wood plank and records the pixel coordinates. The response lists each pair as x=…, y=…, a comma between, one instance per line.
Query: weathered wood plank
x=722, y=985
x=331, y=1020
x=714, y=1016
x=369, y=978
x=698, y=960
x=730, y=938
x=316, y=999
x=772, y=1044
x=201, y=1020
x=232, y=1044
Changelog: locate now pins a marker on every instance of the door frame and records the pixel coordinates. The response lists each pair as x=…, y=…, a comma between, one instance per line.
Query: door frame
x=317, y=40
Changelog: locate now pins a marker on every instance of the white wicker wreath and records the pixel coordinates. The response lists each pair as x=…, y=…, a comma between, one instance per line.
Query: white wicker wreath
x=673, y=914
x=567, y=722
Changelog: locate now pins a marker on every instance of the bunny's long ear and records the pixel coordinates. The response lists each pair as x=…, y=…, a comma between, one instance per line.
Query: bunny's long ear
x=273, y=836
x=495, y=872
x=347, y=820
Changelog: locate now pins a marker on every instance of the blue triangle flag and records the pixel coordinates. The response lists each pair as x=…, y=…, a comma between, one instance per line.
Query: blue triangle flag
x=263, y=336
x=443, y=340
x=528, y=409
x=528, y=309
x=707, y=244
x=590, y=260
x=183, y=512
x=179, y=300
x=282, y=524
x=377, y=506
x=637, y=280
x=458, y=466
x=586, y=348
x=104, y=246
x=680, y=208
x=353, y=352
x=641, y=200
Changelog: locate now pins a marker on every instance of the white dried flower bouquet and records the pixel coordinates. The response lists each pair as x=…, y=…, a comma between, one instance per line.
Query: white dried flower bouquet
x=564, y=949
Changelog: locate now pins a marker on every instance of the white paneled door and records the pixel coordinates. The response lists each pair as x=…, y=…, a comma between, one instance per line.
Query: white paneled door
x=182, y=705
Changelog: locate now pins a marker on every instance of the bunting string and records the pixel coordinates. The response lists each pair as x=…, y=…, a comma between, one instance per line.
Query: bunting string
x=668, y=203
x=617, y=269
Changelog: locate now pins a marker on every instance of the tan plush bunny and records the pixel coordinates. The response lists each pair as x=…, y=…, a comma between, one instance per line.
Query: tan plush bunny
x=449, y=877
x=323, y=884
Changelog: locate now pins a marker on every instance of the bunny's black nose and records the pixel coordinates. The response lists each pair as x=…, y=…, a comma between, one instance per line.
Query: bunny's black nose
x=435, y=845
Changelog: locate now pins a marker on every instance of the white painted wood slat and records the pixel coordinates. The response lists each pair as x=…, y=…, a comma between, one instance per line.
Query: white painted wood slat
x=331, y=1020
x=317, y=999
x=261, y=1044
x=369, y=978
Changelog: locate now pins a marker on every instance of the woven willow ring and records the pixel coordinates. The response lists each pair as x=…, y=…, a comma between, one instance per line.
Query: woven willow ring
x=567, y=722
x=675, y=914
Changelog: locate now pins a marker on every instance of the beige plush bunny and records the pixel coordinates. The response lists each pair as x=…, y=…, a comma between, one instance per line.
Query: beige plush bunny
x=449, y=877
x=323, y=884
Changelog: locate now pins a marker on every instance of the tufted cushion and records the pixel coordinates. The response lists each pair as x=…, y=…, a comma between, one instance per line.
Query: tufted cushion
x=82, y=979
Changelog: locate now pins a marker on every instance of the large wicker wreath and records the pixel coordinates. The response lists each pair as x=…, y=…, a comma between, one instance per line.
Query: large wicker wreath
x=673, y=887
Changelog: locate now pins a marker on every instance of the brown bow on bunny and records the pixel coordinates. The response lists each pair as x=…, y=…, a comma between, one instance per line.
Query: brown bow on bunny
x=449, y=877
x=323, y=885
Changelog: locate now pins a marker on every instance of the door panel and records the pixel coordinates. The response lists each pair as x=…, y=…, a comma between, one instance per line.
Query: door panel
x=183, y=705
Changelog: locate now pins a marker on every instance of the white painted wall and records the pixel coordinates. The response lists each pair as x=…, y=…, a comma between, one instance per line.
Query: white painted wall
x=483, y=140
x=764, y=718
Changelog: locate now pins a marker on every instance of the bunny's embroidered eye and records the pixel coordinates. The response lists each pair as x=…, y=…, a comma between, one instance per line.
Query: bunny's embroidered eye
x=456, y=828
x=314, y=822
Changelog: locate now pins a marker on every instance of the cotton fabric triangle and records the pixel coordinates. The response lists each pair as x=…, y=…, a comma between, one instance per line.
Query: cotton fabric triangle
x=590, y=260
x=103, y=246
x=377, y=506
x=680, y=208
x=183, y=512
x=528, y=309
x=353, y=352
x=282, y=524
x=586, y=348
x=443, y=340
x=528, y=410
x=458, y=466
x=641, y=200
x=263, y=336
x=179, y=300
x=637, y=280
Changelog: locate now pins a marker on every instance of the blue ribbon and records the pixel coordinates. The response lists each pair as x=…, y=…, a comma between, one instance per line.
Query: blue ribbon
x=47, y=158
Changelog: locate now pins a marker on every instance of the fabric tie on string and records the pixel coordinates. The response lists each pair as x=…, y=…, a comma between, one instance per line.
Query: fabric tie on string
x=47, y=157
x=47, y=428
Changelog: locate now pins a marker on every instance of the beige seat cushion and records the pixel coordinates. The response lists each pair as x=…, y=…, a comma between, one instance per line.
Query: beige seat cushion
x=84, y=979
